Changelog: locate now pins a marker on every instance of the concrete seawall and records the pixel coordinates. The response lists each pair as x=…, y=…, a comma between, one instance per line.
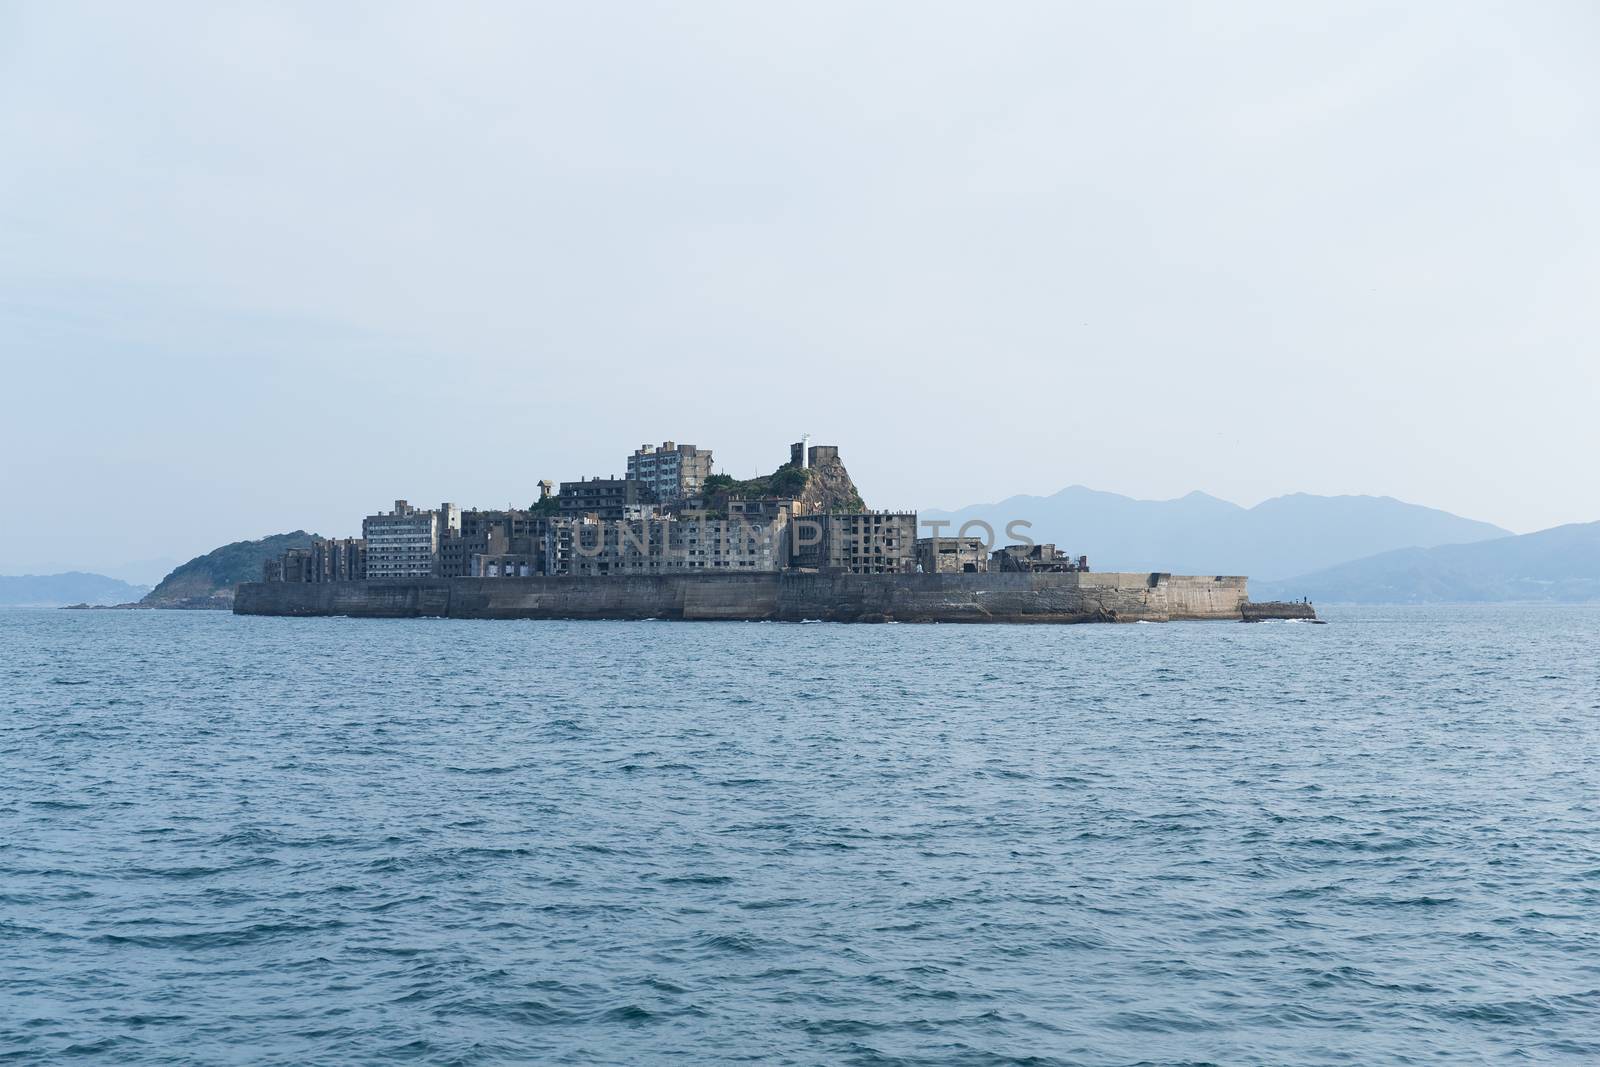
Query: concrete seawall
x=789, y=597
x=1278, y=610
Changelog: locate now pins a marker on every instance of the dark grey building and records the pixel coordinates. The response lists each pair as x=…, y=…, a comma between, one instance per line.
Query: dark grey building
x=608, y=498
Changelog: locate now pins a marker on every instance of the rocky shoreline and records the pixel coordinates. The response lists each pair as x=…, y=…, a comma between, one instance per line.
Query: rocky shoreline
x=191, y=603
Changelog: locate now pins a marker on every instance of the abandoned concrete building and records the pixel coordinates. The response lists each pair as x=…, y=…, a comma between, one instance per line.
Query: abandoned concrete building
x=609, y=499
x=691, y=543
x=404, y=543
x=327, y=560
x=869, y=542
x=673, y=472
x=1044, y=558
x=952, y=555
x=338, y=560
x=485, y=533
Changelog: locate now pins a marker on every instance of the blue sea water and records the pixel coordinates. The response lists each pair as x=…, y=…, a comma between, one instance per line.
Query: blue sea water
x=250, y=840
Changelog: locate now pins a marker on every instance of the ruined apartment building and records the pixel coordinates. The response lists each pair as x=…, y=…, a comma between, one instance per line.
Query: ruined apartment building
x=673, y=472
x=864, y=542
x=952, y=555
x=545, y=550
x=489, y=532
x=338, y=559
x=608, y=498
x=404, y=543
x=327, y=560
x=690, y=544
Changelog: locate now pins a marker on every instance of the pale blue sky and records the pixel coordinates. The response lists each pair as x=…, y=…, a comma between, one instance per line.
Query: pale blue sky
x=270, y=266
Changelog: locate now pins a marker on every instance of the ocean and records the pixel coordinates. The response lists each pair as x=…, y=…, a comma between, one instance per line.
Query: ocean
x=268, y=840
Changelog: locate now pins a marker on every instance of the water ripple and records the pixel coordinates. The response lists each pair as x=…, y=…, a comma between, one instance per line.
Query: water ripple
x=328, y=840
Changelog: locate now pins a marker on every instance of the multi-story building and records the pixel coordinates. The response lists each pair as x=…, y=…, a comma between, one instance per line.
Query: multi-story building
x=505, y=565
x=338, y=560
x=755, y=509
x=676, y=545
x=484, y=532
x=505, y=544
x=673, y=471
x=554, y=545
x=293, y=566
x=608, y=498
x=327, y=560
x=863, y=542
x=952, y=555
x=404, y=543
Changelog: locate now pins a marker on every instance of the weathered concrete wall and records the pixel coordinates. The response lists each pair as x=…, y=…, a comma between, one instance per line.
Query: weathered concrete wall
x=1278, y=609
x=1011, y=597
x=1201, y=597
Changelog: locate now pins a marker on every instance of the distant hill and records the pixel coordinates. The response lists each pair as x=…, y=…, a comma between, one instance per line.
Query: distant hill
x=1556, y=565
x=1199, y=534
x=60, y=590
x=208, y=580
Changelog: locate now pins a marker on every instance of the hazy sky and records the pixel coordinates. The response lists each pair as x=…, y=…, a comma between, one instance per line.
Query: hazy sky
x=270, y=266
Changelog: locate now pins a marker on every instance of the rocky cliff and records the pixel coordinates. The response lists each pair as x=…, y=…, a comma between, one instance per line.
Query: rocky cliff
x=829, y=486
x=823, y=486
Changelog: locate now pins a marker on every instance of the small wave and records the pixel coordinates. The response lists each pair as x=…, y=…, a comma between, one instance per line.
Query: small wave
x=247, y=935
x=741, y=944
x=699, y=879
x=626, y=1014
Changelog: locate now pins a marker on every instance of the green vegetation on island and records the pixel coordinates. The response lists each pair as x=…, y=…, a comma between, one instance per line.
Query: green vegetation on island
x=209, y=580
x=826, y=487
x=787, y=481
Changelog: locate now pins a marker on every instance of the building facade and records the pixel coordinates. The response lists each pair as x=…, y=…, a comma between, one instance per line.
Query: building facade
x=608, y=499
x=952, y=555
x=404, y=543
x=864, y=542
x=676, y=545
x=672, y=472
x=338, y=560
x=504, y=565
x=487, y=533
x=327, y=560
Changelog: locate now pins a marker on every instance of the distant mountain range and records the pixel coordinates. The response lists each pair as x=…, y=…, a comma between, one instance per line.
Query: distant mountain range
x=1200, y=534
x=1557, y=565
x=204, y=582
x=147, y=572
x=59, y=590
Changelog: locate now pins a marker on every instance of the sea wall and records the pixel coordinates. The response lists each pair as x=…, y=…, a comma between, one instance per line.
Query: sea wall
x=1279, y=609
x=1042, y=598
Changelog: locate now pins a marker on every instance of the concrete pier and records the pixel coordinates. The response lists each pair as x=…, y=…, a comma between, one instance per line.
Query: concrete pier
x=1279, y=609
